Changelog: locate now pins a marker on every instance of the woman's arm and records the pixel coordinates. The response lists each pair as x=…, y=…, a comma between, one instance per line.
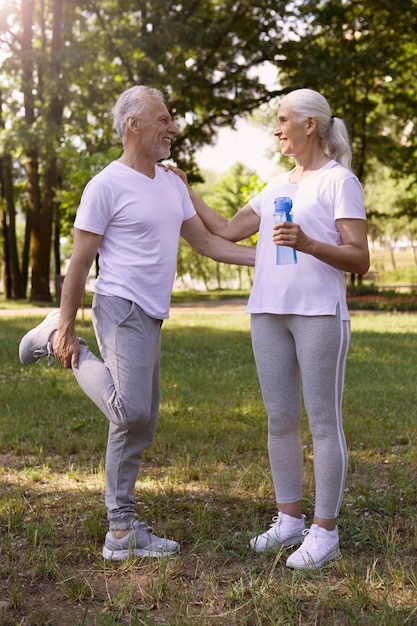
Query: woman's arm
x=243, y=224
x=352, y=255
x=214, y=246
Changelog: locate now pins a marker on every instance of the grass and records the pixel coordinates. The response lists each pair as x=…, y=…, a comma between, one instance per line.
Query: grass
x=398, y=267
x=206, y=482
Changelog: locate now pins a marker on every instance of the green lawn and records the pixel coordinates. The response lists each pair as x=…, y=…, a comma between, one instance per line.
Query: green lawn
x=206, y=483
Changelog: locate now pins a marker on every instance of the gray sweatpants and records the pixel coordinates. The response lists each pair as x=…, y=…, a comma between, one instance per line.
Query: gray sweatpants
x=294, y=351
x=125, y=387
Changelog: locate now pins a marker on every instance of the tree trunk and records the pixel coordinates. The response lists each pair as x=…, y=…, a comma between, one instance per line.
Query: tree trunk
x=239, y=273
x=56, y=109
x=25, y=256
x=38, y=252
x=40, y=221
x=413, y=247
x=41, y=207
x=391, y=250
x=13, y=287
x=218, y=276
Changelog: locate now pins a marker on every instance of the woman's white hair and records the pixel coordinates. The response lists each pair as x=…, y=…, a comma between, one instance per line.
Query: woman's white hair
x=332, y=130
x=133, y=101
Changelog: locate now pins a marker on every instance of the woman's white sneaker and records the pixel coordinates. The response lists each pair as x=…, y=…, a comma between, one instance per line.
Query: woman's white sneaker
x=319, y=547
x=285, y=530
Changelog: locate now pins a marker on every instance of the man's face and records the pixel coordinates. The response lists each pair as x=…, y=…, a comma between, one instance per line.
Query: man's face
x=157, y=130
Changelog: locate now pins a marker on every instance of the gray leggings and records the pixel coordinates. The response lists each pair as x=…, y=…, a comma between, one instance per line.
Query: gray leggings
x=289, y=349
x=125, y=387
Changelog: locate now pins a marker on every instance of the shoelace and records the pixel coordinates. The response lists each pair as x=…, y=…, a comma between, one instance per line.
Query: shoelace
x=311, y=540
x=39, y=353
x=47, y=350
x=310, y=537
x=144, y=526
x=274, y=521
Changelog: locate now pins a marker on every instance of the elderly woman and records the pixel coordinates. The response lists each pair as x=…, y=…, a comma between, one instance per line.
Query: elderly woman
x=299, y=317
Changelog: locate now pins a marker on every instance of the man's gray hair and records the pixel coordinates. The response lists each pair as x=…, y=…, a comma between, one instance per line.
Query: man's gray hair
x=133, y=101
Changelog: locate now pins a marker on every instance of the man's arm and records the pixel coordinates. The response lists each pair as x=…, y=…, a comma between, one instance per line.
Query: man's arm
x=213, y=246
x=66, y=344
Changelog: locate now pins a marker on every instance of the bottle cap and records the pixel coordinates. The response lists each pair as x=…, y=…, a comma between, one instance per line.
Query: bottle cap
x=283, y=203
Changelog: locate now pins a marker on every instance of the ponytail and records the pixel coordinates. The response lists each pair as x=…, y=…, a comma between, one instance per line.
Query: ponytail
x=337, y=145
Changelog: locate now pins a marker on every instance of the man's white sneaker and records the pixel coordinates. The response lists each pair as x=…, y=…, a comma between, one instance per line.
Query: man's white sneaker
x=285, y=530
x=319, y=547
x=139, y=542
x=35, y=344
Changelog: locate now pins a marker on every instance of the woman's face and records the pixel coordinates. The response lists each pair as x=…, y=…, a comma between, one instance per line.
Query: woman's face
x=292, y=133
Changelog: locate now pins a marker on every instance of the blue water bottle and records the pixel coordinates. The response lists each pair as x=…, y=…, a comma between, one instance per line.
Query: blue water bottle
x=282, y=213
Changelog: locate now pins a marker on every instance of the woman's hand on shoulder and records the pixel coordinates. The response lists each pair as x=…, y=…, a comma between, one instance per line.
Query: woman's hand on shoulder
x=173, y=168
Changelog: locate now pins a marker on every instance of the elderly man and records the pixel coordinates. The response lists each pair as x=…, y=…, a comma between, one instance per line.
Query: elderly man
x=131, y=214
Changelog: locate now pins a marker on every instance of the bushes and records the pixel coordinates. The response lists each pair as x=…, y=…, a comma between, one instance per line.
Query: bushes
x=370, y=298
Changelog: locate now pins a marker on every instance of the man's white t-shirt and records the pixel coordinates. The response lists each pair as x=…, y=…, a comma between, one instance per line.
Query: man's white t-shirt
x=309, y=287
x=140, y=219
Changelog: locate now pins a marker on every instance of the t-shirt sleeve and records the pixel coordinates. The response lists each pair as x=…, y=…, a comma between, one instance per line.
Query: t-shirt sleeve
x=189, y=210
x=349, y=200
x=256, y=203
x=94, y=211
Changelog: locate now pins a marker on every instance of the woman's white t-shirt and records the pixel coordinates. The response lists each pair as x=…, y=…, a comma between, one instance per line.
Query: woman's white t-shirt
x=309, y=287
x=140, y=219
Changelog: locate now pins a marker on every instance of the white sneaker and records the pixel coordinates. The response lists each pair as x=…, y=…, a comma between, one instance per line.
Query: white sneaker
x=35, y=345
x=319, y=547
x=139, y=542
x=285, y=530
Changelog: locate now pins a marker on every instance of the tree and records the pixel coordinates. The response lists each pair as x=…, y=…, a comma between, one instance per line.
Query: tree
x=226, y=194
x=202, y=55
x=65, y=64
x=361, y=55
x=14, y=287
x=32, y=110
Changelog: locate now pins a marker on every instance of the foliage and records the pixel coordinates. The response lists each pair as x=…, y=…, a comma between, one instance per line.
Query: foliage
x=370, y=48
x=361, y=56
x=383, y=301
x=64, y=63
x=206, y=482
x=227, y=194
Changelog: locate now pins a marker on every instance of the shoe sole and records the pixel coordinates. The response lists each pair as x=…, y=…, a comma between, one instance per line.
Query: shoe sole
x=120, y=555
x=31, y=333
